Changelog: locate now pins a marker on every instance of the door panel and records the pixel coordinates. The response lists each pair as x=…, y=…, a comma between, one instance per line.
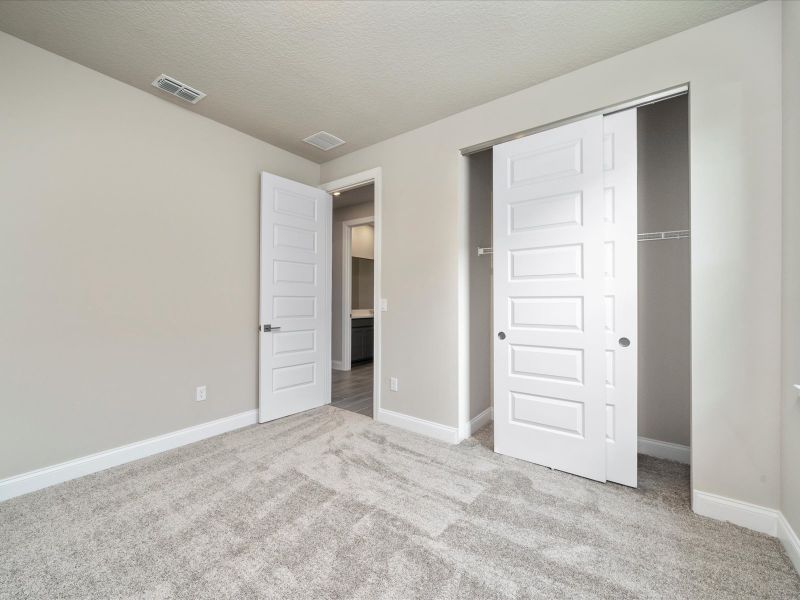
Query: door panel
x=550, y=260
x=621, y=295
x=295, y=298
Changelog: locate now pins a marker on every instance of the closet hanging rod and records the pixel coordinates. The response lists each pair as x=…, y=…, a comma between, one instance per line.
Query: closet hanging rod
x=680, y=234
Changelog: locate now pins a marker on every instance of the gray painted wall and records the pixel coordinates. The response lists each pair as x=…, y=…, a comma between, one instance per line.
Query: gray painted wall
x=664, y=295
x=129, y=237
x=790, y=414
x=353, y=211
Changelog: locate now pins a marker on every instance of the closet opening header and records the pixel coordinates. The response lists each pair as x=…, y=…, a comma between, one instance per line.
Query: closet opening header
x=608, y=110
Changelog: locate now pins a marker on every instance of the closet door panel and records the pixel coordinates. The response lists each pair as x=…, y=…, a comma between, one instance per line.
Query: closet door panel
x=549, y=309
x=620, y=302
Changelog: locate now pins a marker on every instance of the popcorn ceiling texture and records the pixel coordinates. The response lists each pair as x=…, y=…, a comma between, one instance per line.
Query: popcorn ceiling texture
x=330, y=504
x=364, y=71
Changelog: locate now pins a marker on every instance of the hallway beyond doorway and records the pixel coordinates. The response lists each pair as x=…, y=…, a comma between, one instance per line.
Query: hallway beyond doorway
x=352, y=390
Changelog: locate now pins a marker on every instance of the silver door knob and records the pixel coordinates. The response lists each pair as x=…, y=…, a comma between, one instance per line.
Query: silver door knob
x=268, y=328
x=501, y=335
x=624, y=342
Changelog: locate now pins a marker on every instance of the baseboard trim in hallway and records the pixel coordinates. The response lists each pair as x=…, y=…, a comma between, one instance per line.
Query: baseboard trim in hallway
x=47, y=476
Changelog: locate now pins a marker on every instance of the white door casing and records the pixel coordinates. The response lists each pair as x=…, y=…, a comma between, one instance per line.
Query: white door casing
x=295, y=298
x=549, y=288
x=621, y=302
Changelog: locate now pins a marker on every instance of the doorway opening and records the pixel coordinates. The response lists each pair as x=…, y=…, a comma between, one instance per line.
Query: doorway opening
x=355, y=267
x=353, y=270
x=544, y=322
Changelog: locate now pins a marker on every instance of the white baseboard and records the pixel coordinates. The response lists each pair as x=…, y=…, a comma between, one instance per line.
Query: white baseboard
x=338, y=365
x=429, y=428
x=758, y=518
x=790, y=541
x=47, y=476
x=667, y=450
x=744, y=514
x=473, y=425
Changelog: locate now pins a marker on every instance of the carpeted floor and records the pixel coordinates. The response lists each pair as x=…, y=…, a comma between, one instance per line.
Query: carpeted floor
x=329, y=504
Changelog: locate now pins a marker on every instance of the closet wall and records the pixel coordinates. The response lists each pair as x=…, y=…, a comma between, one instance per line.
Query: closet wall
x=664, y=300
x=479, y=230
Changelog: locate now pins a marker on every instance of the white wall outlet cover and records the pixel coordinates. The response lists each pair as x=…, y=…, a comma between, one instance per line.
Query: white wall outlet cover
x=200, y=393
x=384, y=305
x=393, y=384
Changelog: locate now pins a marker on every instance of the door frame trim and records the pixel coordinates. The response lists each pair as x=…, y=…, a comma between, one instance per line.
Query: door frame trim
x=347, y=288
x=375, y=177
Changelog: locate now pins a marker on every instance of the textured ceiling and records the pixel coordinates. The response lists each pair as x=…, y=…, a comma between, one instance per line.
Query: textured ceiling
x=364, y=71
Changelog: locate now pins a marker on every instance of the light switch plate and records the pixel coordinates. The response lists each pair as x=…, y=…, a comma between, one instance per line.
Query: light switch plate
x=384, y=305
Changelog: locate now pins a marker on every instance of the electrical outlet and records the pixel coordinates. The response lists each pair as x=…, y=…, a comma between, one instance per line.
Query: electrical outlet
x=200, y=393
x=393, y=384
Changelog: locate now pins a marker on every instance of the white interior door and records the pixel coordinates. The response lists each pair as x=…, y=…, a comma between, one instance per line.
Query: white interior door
x=549, y=306
x=621, y=325
x=295, y=303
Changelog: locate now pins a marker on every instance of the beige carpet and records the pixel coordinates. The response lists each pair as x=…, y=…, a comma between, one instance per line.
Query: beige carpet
x=329, y=504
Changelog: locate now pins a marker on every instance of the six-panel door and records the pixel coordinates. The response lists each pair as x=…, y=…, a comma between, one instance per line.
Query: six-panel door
x=549, y=308
x=295, y=297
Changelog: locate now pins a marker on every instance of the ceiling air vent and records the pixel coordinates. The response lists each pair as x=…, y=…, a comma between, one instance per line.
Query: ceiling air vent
x=176, y=88
x=324, y=140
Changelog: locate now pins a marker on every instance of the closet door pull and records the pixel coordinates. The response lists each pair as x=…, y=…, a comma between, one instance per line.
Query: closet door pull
x=624, y=342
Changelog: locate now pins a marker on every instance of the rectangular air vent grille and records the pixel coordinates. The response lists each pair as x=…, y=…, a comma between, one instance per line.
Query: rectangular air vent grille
x=176, y=88
x=324, y=140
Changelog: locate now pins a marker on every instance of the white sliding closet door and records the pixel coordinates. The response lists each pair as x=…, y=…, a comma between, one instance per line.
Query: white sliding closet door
x=549, y=305
x=619, y=158
x=564, y=294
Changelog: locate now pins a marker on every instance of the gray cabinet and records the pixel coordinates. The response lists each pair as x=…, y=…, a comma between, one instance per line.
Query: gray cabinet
x=361, y=340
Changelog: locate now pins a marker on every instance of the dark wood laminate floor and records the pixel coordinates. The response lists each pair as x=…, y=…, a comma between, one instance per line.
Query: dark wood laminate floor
x=352, y=390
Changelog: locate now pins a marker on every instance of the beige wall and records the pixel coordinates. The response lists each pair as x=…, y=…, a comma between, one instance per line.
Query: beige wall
x=733, y=66
x=790, y=418
x=345, y=213
x=363, y=241
x=362, y=295
x=129, y=261
x=664, y=317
